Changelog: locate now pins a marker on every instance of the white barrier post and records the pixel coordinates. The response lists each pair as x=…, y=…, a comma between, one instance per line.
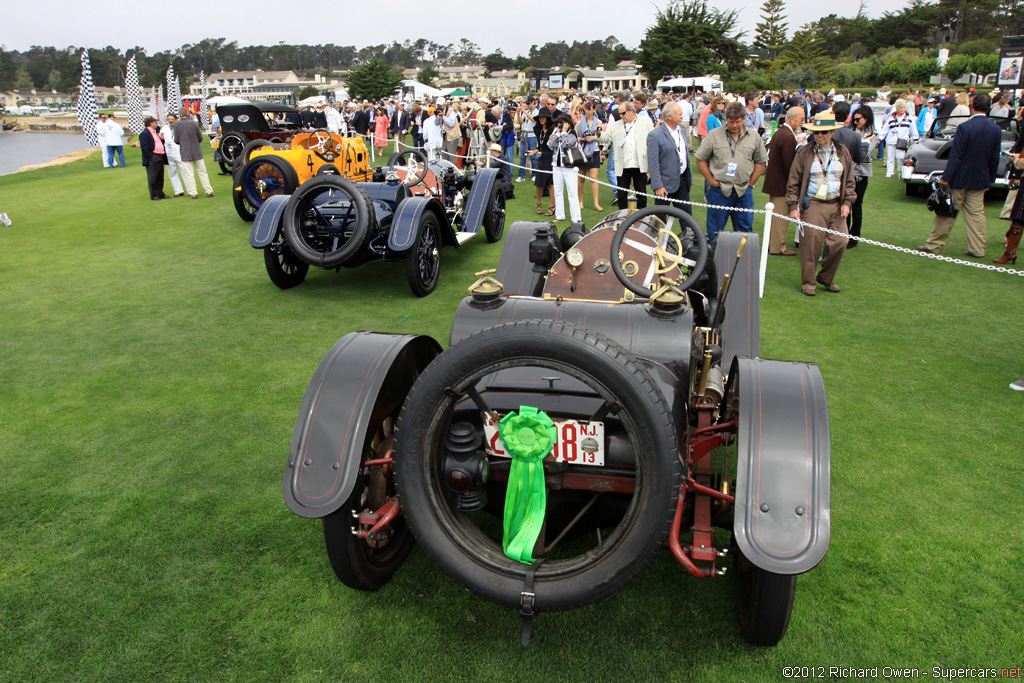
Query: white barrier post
x=769, y=208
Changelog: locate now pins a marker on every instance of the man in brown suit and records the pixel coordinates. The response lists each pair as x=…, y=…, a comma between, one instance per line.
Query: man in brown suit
x=781, y=151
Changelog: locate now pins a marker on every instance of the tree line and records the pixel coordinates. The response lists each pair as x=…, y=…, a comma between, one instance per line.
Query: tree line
x=901, y=46
x=52, y=68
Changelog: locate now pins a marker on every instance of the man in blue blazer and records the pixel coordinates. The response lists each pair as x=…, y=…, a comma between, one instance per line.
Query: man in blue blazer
x=971, y=169
x=668, y=159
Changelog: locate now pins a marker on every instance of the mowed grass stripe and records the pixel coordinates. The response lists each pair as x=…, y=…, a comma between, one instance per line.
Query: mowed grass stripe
x=150, y=375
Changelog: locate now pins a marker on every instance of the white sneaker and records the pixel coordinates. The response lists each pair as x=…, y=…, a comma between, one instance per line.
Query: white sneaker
x=1018, y=385
x=5, y=220
x=519, y=180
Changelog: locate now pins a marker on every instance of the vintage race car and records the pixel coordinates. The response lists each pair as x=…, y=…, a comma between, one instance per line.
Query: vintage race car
x=415, y=209
x=928, y=156
x=263, y=170
x=242, y=123
x=602, y=398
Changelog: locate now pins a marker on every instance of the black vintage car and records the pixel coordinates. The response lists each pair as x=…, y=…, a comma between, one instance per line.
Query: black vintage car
x=928, y=156
x=602, y=398
x=406, y=214
x=240, y=124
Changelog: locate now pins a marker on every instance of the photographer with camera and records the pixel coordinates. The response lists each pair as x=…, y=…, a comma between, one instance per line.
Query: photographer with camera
x=525, y=118
x=450, y=119
x=564, y=177
x=587, y=129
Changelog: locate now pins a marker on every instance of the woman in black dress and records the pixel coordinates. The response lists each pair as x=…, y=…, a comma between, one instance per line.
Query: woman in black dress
x=542, y=175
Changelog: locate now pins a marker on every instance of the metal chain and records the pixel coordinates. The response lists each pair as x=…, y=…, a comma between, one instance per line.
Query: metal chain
x=802, y=224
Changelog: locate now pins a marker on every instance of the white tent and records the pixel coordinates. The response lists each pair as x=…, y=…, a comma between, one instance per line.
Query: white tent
x=416, y=90
x=702, y=82
x=225, y=99
x=314, y=100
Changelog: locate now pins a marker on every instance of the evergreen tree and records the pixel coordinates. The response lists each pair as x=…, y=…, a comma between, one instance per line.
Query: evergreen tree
x=770, y=35
x=373, y=81
x=428, y=75
x=691, y=39
x=805, y=50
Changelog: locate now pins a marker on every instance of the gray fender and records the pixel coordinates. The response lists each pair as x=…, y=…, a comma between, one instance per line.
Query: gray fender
x=407, y=221
x=783, y=466
x=741, y=324
x=268, y=222
x=479, y=199
x=362, y=379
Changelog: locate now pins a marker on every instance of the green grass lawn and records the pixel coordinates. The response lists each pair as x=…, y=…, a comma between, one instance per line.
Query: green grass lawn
x=150, y=376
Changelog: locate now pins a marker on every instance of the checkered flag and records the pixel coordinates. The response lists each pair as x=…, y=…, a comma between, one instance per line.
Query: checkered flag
x=204, y=115
x=173, y=92
x=87, y=103
x=131, y=85
x=161, y=105
x=154, y=107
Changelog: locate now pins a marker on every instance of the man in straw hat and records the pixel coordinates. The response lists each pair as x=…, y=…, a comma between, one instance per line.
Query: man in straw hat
x=821, y=191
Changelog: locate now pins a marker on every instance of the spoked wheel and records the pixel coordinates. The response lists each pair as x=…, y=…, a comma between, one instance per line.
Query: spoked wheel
x=423, y=261
x=284, y=268
x=602, y=525
x=231, y=145
x=260, y=178
x=368, y=563
x=242, y=158
x=494, y=216
x=327, y=221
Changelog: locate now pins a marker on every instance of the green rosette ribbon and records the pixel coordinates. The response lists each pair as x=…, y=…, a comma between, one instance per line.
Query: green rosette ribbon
x=528, y=437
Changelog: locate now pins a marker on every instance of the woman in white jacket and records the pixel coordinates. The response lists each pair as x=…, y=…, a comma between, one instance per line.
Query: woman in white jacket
x=564, y=175
x=899, y=132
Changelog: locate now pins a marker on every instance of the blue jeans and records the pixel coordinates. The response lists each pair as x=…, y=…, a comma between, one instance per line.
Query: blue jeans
x=526, y=145
x=610, y=171
x=111, y=149
x=881, y=149
x=742, y=221
x=509, y=152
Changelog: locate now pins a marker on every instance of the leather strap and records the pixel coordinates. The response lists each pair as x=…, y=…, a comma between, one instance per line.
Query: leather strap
x=528, y=601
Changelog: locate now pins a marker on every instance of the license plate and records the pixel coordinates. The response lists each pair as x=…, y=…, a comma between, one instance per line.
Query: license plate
x=578, y=443
x=906, y=172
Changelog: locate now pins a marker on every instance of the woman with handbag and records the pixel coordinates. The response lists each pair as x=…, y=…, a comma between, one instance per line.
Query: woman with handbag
x=563, y=144
x=542, y=174
x=899, y=132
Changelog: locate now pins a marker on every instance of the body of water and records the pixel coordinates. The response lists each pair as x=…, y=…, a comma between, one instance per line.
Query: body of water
x=19, y=149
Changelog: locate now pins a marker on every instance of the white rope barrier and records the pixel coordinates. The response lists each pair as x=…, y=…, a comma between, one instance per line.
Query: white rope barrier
x=769, y=212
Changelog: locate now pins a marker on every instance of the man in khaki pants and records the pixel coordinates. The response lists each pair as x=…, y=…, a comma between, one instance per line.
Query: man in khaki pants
x=971, y=169
x=781, y=151
x=189, y=138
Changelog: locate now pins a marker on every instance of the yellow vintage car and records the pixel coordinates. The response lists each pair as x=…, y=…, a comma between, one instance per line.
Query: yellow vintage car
x=264, y=169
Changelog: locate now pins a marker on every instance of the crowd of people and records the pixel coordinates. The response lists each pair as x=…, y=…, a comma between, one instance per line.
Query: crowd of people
x=816, y=150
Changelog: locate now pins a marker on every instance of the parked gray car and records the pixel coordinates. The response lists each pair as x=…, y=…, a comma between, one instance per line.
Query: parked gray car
x=929, y=154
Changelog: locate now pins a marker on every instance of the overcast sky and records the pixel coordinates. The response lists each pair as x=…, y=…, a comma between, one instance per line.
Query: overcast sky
x=511, y=26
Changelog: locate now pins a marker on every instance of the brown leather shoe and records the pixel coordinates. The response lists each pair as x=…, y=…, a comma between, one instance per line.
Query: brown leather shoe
x=209, y=194
x=831, y=287
x=808, y=291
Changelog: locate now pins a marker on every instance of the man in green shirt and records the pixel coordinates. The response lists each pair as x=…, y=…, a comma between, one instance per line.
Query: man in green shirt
x=731, y=158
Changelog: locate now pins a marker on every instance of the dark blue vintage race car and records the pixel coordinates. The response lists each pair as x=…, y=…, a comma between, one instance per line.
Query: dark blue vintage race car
x=602, y=398
x=414, y=210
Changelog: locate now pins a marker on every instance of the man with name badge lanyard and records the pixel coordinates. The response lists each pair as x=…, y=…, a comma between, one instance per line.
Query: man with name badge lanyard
x=731, y=158
x=821, y=191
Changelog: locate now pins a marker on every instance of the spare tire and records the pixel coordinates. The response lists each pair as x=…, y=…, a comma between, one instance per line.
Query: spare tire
x=327, y=221
x=471, y=554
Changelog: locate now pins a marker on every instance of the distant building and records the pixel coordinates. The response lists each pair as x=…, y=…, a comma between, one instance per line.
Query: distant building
x=495, y=87
x=263, y=85
x=36, y=98
x=589, y=80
